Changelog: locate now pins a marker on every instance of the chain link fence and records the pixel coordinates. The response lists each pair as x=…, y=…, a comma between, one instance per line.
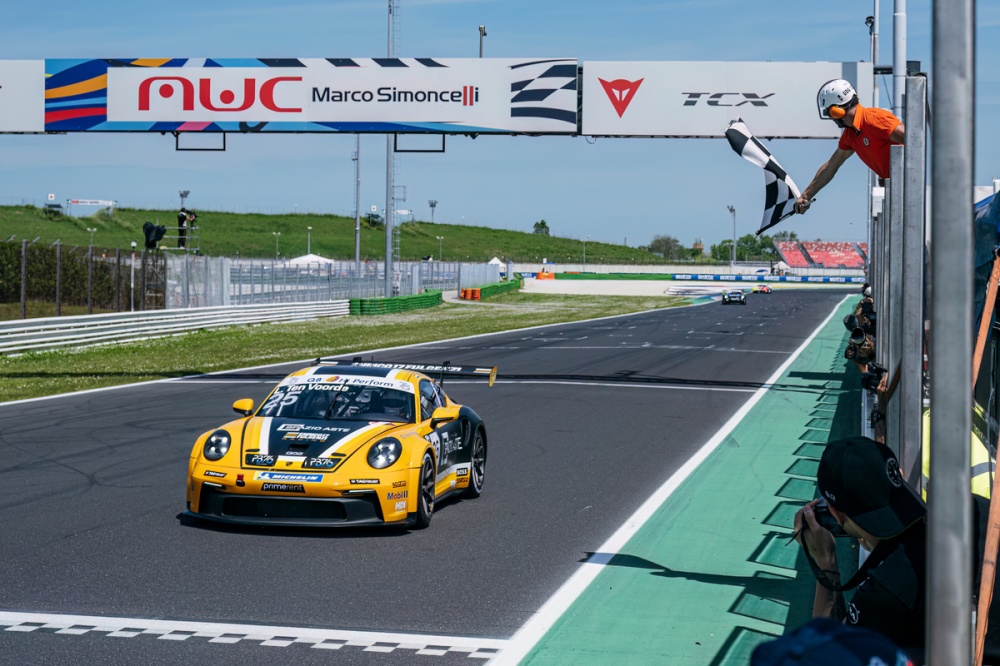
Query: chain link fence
x=108, y=280
x=116, y=280
x=198, y=281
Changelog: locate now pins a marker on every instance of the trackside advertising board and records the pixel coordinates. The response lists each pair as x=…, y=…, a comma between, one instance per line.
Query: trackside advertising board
x=698, y=99
x=22, y=95
x=383, y=95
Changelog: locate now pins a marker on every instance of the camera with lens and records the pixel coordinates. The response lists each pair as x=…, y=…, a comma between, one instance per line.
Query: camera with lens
x=826, y=519
x=870, y=380
x=875, y=417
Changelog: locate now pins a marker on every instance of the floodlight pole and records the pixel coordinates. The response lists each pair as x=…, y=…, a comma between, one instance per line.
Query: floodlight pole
x=585, y=253
x=309, y=231
x=733, y=211
x=433, y=204
x=440, y=249
x=277, y=235
x=482, y=33
x=389, y=182
x=184, y=195
x=357, y=206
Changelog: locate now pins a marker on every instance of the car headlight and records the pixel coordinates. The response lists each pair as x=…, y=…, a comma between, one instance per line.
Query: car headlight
x=384, y=452
x=217, y=445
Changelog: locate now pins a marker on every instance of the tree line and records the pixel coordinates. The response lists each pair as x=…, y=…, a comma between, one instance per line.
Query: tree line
x=748, y=248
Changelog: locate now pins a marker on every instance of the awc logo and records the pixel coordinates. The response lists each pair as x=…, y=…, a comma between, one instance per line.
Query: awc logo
x=168, y=86
x=620, y=92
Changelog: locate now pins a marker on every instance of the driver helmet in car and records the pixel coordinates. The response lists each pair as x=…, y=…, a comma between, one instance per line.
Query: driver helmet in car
x=396, y=405
x=319, y=402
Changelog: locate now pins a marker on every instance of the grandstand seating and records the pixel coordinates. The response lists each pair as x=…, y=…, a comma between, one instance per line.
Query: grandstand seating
x=822, y=254
x=791, y=254
x=829, y=254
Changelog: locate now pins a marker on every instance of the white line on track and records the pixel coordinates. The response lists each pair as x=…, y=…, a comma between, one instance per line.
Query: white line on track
x=545, y=617
x=672, y=387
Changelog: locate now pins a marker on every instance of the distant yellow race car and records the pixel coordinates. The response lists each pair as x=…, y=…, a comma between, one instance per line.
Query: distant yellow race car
x=342, y=443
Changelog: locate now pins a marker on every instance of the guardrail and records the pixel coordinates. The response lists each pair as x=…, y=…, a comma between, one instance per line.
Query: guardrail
x=24, y=335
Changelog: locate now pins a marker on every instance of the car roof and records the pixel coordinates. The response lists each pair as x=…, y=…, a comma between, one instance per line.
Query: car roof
x=399, y=374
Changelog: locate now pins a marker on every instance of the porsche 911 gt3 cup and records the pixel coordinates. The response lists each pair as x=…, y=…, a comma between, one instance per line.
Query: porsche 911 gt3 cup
x=342, y=443
x=734, y=296
x=762, y=289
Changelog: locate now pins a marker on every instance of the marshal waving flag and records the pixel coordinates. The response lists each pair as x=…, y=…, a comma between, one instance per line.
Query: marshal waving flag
x=780, y=191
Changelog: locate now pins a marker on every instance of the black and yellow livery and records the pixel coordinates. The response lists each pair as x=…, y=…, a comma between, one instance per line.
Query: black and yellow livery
x=342, y=443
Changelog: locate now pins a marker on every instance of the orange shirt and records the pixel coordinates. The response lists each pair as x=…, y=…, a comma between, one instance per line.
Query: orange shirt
x=869, y=138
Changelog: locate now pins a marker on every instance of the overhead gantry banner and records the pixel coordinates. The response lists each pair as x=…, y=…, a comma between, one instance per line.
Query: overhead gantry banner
x=382, y=95
x=698, y=99
x=421, y=95
x=22, y=96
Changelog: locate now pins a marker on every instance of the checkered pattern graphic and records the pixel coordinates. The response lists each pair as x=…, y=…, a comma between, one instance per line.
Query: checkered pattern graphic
x=544, y=89
x=268, y=636
x=780, y=191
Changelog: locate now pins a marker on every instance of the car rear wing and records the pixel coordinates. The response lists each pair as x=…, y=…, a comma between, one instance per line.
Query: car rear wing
x=443, y=370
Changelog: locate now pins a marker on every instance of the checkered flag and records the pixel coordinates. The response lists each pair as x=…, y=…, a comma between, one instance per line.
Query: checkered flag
x=780, y=192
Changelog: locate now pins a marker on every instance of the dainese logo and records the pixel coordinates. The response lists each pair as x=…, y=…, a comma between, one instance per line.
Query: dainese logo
x=620, y=92
x=165, y=87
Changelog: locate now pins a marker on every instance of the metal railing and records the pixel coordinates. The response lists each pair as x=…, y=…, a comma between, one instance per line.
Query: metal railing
x=54, y=332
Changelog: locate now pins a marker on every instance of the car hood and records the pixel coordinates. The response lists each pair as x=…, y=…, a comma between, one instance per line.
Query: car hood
x=301, y=438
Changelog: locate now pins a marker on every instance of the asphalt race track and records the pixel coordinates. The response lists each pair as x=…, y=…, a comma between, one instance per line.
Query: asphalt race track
x=585, y=422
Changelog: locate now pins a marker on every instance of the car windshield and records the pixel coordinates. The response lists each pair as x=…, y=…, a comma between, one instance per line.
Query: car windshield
x=340, y=402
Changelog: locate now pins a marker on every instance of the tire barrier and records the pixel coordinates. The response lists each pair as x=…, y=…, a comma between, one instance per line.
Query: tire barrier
x=377, y=306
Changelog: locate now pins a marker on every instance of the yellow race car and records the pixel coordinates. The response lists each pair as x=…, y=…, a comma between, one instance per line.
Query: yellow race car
x=342, y=443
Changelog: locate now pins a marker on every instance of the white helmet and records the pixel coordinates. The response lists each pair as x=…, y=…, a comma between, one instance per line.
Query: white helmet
x=837, y=91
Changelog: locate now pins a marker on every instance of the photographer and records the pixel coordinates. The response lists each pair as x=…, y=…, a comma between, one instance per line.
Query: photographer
x=866, y=496
x=860, y=349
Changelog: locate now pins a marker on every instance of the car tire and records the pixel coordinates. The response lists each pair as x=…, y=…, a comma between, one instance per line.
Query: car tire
x=425, y=490
x=477, y=471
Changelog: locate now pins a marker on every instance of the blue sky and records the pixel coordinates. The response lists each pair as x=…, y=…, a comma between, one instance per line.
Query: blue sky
x=613, y=190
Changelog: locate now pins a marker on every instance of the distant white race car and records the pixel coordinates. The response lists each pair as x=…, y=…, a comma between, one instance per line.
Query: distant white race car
x=734, y=296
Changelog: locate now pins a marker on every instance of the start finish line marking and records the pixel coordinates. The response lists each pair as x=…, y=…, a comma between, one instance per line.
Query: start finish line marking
x=267, y=635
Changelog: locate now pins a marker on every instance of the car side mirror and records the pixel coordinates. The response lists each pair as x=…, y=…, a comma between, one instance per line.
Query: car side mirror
x=443, y=415
x=243, y=406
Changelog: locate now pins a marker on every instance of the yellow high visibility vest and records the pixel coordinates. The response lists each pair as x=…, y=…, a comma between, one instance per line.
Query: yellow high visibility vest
x=982, y=462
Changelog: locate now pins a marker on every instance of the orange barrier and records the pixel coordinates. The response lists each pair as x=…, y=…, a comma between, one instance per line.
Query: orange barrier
x=465, y=294
x=544, y=275
x=475, y=294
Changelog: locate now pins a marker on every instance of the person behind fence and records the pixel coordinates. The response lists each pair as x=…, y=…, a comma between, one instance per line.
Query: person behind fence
x=860, y=347
x=867, y=132
x=182, y=219
x=864, y=496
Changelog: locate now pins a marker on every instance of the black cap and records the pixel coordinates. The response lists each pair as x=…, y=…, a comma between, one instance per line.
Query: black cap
x=851, y=322
x=861, y=478
x=826, y=642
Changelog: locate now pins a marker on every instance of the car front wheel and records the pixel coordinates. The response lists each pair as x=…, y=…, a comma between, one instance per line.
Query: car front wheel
x=425, y=502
